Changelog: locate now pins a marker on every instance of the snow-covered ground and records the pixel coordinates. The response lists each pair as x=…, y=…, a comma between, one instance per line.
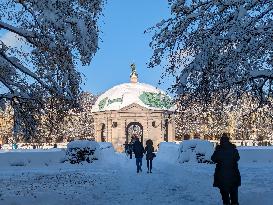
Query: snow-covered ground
x=113, y=180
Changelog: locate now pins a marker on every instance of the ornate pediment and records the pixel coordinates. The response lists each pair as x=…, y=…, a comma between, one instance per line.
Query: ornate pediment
x=134, y=108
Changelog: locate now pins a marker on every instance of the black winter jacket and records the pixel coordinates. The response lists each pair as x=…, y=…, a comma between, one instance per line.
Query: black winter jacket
x=138, y=149
x=226, y=174
x=149, y=149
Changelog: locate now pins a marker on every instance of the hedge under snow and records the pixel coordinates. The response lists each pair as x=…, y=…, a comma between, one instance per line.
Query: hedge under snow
x=82, y=150
x=196, y=150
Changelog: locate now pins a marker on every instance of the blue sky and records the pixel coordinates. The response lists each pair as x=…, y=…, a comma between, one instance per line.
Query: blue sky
x=123, y=42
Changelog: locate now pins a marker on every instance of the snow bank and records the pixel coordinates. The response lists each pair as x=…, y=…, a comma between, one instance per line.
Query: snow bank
x=35, y=157
x=195, y=150
x=256, y=154
x=82, y=150
x=168, y=152
x=82, y=144
x=107, y=151
x=38, y=145
x=106, y=146
x=103, y=151
x=108, y=154
x=201, y=151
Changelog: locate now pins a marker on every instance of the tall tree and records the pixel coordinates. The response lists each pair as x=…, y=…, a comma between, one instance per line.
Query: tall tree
x=216, y=48
x=77, y=123
x=239, y=120
x=56, y=35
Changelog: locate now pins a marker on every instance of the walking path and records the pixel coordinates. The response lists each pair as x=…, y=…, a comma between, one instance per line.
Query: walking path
x=118, y=183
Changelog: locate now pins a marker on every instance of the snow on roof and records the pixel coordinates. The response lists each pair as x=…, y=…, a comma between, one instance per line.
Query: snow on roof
x=126, y=94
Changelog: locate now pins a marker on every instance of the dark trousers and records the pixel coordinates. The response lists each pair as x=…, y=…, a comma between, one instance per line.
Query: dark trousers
x=230, y=196
x=149, y=164
x=139, y=164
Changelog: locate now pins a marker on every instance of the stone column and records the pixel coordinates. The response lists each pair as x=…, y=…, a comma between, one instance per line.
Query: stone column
x=109, y=127
x=97, y=128
x=171, y=129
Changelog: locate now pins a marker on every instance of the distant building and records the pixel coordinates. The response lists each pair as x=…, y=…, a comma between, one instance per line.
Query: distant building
x=133, y=110
x=6, y=125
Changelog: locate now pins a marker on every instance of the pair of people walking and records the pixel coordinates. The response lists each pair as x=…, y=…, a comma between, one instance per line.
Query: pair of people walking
x=140, y=151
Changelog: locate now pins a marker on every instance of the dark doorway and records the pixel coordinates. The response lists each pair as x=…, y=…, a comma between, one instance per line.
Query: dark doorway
x=102, y=134
x=166, y=130
x=134, y=129
x=187, y=137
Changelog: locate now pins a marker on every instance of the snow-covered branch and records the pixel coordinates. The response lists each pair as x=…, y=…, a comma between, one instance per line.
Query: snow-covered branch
x=15, y=62
x=55, y=34
x=217, y=46
x=20, y=32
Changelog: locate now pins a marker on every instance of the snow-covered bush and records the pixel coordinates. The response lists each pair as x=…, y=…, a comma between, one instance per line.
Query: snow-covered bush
x=82, y=150
x=199, y=151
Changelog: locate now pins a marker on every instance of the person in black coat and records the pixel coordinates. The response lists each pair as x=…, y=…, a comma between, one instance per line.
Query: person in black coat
x=227, y=176
x=149, y=150
x=139, y=151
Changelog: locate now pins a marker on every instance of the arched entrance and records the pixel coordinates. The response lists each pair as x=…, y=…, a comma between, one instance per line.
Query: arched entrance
x=134, y=128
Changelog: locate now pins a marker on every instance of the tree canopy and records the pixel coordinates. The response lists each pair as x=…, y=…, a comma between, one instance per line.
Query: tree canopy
x=55, y=36
x=217, y=49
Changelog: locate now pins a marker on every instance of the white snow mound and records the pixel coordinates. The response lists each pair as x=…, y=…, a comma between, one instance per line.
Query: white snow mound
x=108, y=155
x=93, y=145
x=195, y=150
x=31, y=158
x=168, y=152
